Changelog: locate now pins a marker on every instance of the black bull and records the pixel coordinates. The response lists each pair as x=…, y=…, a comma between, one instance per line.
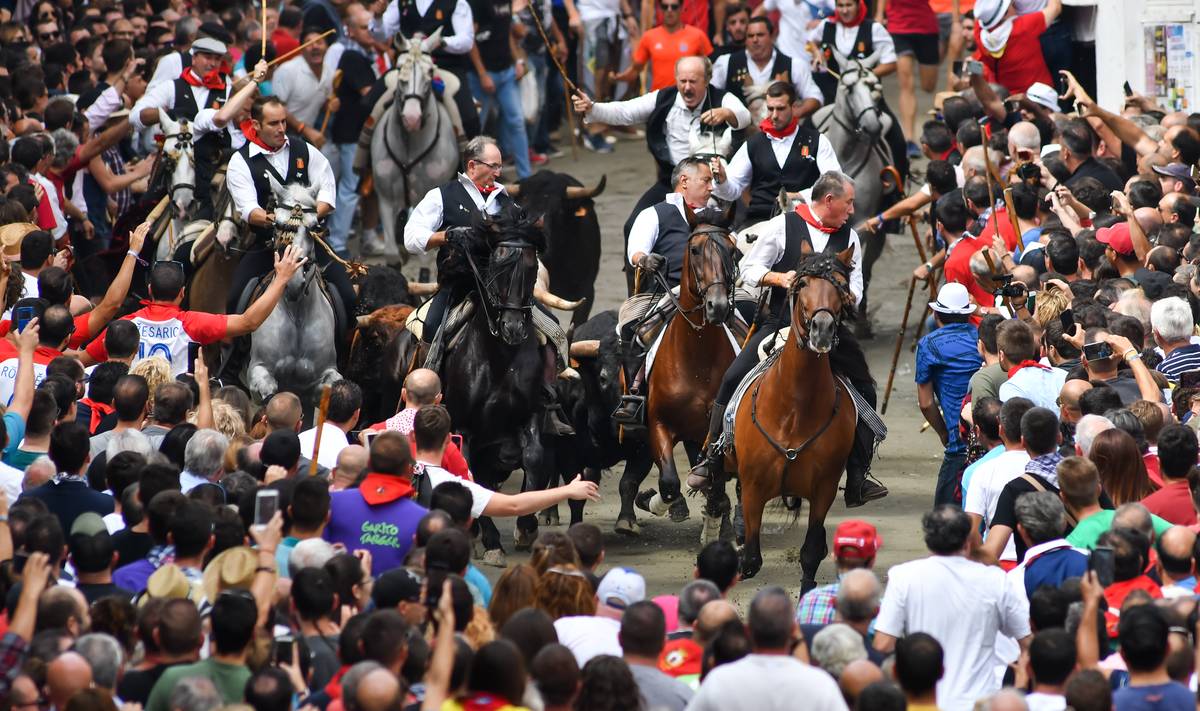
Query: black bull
x=572, y=254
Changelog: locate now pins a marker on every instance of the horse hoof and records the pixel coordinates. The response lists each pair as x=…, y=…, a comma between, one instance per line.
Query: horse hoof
x=525, y=539
x=750, y=568
x=549, y=516
x=627, y=527
x=495, y=558
x=679, y=511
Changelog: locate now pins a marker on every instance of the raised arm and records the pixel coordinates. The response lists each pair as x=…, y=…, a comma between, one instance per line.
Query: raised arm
x=27, y=342
x=249, y=321
x=244, y=96
x=1127, y=131
x=119, y=288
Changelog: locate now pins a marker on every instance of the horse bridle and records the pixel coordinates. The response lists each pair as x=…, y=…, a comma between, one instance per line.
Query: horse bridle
x=801, y=322
x=183, y=142
x=406, y=168
x=728, y=267
x=486, y=285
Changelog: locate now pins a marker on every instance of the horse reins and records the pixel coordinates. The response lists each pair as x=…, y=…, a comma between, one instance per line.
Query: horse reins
x=406, y=168
x=727, y=265
x=485, y=295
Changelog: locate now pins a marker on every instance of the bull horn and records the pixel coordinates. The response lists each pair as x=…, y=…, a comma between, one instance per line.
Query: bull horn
x=364, y=321
x=585, y=349
x=574, y=193
x=552, y=301
x=514, y=190
x=422, y=288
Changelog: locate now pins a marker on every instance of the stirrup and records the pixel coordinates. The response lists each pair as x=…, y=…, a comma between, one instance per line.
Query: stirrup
x=631, y=413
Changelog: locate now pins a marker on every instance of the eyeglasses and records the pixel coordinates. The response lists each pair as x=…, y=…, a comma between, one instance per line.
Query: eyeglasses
x=47, y=36
x=494, y=166
x=669, y=7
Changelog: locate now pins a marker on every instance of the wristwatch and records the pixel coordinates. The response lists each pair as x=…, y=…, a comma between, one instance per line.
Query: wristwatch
x=1131, y=355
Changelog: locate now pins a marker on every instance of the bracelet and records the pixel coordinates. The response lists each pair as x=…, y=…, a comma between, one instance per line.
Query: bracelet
x=880, y=218
x=1131, y=355
x=264, y=569
x=929, y=265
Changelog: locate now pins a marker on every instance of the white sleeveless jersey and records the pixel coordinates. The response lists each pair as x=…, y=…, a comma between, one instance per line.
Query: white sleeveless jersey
x=163, y=338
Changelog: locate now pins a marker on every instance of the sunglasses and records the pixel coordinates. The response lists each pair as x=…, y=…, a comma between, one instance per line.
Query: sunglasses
x=669, y=8
x=47, y=36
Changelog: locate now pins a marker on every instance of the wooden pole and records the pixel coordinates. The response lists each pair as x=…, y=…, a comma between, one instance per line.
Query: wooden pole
x=298, y=50
x=337, y=81
x=887, y=392
x=263, y=55
x=322, y=413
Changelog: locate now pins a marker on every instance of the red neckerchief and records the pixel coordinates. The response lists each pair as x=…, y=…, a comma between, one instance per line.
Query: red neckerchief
x=769, y=128
x=1026, y=364
x=484, y=702
x=946, y=155
x=385, y=488
x=488, y=190
x=805, y=213
x=251, y=135
x=213, y=80
x=858, y=19
x=99, y=412
x=334, y=687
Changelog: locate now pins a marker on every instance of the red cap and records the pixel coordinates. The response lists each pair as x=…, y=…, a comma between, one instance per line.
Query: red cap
x=856, y=539
x=1116, y=237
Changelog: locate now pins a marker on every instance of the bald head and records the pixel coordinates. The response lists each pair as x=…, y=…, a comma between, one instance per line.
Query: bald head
x=1149, y=218
x=421, y=387
x=1024, y=136
x=1177, y=542
x=67, y=674
x=379, y=690
x=1136, y=516
x=856, y=676
x=1175, y=118
x=351, y=462
x=284, y=412
x=858, y=596
x=714, y=614
x=1007, y=700
x=1069, y=396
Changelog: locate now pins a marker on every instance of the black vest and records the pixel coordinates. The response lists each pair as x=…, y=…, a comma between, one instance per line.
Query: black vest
x=799, y=171
x=210, y=151
x=459, y=210
x=656, y=136
x=863, y=47
x=438, y=15
x=795, y=234
x=738, y=73
x=260, y=168
x=673, y=236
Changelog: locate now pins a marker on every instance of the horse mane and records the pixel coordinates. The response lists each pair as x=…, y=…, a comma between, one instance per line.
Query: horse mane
x=823, y=266
x=512, y=222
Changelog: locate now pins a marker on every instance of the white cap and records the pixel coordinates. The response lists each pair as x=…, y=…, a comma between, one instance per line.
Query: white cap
x=990, y=13
x=208, y=44
x=620, y=588
x=1043, y=95
x=952, y=298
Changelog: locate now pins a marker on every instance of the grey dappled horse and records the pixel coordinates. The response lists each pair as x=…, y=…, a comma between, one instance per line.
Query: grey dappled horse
x=179, y=166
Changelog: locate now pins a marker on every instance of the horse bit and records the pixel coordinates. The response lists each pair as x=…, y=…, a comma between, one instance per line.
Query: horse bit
x=728, y=265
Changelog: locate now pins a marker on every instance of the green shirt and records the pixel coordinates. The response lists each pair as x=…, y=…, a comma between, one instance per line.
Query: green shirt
x=1089, y=530
x=230, y=680
x=986, y=382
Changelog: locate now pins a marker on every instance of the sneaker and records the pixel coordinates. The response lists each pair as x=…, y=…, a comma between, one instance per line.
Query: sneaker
x=596, y=142
x=538, y=159
x=553, y=151
x=914, y=151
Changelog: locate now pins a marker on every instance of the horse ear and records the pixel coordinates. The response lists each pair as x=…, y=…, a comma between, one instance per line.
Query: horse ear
x=838, y=56
x=690, y=215
x=727, y=214
x=431, y=42
x=869, y=61
x=846, y=256
x=401, y=43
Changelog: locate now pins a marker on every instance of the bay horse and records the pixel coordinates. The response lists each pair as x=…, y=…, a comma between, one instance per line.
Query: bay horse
x=694, y=352
x=493, y=374
x=794, y=427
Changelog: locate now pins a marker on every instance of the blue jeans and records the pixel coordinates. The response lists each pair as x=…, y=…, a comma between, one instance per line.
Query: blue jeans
x=341, y=159
x=512, y=121
x=953, y=464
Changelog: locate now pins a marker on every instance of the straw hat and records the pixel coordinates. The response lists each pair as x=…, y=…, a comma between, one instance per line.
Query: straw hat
x=233, y=568
x=11, y=236
x=167, y=582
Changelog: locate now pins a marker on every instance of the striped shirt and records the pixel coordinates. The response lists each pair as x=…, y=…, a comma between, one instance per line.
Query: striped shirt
x=1179, y=361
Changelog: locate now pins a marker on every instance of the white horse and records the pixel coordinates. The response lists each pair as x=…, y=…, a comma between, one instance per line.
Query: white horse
x=178, y=161
x=413, y=149
x=295, y=347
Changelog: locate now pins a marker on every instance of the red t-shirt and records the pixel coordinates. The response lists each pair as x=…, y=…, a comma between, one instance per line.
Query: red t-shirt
x=1011, y=240
x=1116, y=593
x=662, y=49
x=1153, y=469
x=45, y=213
x=167, y=330
x=453, y=460
x=283, y=42
x=680, y=657
x=958, y=268
x=80, y=336
x=1173, y=503
x=911, y=17
x=1021, y=63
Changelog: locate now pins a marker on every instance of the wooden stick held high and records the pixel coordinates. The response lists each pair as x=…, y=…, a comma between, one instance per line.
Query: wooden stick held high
x=298, y=50
x=322, y=413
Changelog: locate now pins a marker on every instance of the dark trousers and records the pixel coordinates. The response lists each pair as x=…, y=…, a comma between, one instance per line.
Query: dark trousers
x=466, y=103
x=654, y=194
x=258, y=262
x=949, y=476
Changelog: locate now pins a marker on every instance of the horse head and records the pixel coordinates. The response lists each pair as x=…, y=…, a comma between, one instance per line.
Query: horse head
x=179, y=162
x=756, y=102
x=710, y=141
x=414, y=69
x=295, y=217
x=821, y=294
x=860, y=94
x=513, y=240
x=710, y=263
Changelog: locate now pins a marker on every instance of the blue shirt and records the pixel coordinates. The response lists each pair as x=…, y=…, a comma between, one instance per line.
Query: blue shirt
x=1171, y=696
x=947, y=358
x=970, y=470
x=1180, y=361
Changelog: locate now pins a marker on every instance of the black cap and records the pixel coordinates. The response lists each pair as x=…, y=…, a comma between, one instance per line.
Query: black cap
x=281, y=447
x=396, y=586
x=215, y=30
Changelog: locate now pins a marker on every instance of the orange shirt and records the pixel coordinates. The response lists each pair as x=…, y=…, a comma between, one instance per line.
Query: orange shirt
x=661, y=49
x=947, y=6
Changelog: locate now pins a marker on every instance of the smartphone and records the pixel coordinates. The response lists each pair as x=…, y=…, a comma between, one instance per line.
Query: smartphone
x=957, y=68
x=1101, y=561
x=1067, y=319
x=284, y=650
x=1190, y=379
x=435, y=579
x=973, y=67
x=193, y=354
x=1128, y=89
x=22, y=315
x=266, y=503
x=1097, y=351
x=369, y=436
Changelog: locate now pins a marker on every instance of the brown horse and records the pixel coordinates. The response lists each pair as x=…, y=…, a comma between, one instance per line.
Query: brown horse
x=795, y=425
x=693, y=355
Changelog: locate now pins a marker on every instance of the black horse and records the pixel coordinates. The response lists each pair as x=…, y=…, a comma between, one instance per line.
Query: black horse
x=492, y=377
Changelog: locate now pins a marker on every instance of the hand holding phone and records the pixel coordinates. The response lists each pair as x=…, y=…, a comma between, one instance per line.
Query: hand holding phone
x=1101, y=561
x=266, y=503
x=1067, y=319
x=973, y=67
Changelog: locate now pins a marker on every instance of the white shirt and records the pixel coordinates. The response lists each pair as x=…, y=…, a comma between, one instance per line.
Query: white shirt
x=426, y=217
x=592, y=10
x=802, y=79
x=963, y=605
x=333, y=441
x=189, y=481
x=769, y=248
x=794, y=16
x=768, y=682
x=1041, y=385
x=55, y=206
x=303, y=91
x=679, y=118
x=10, y=482
x=162, y=96
x=205, y=123
x=988, y=482
x=588, y=636
x=739, y=174
x=462, y=21
x=480, y=495
x=104, y=105
x=114, y=522
x=643, y=235
x=168, y=69
x=241, y=185
x=843, y=40
x=1038, y=701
